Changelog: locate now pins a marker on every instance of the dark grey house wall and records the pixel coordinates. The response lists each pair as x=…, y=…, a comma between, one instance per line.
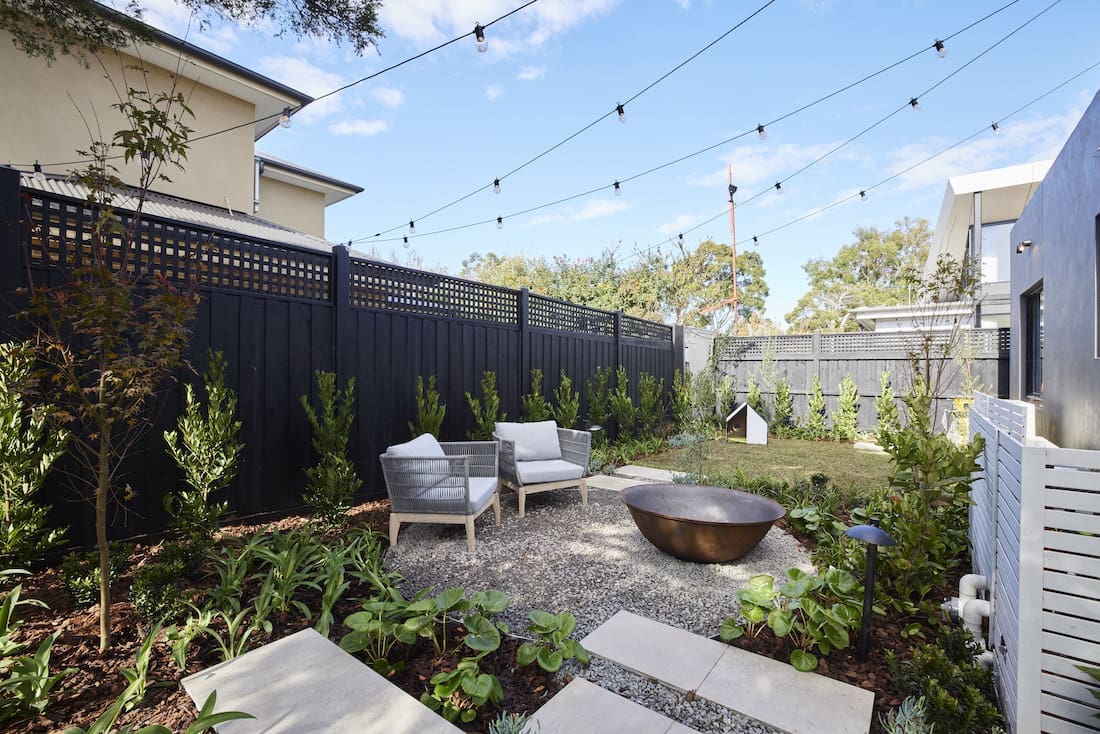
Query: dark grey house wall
x=1061, y=222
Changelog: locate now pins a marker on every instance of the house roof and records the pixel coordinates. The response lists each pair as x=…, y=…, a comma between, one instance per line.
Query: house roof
x=279, y=169
x=184, y=210
x=179, y=56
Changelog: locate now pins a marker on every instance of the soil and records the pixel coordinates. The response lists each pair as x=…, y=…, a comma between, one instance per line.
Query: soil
x=82, y=696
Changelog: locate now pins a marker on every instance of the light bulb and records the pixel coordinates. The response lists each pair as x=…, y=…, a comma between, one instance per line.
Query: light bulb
x=755, y=241
x=732, y=190
x=778, y=188
x=412, y=226
x=863, y=195
x=940, y=48
x=761, y=132
x=681, y=238
x=500, y=222
x=618, y=189
x=996, y=128
x=914, y=103
x=622, y=113
x=479, y=36
x=406, y=239
x=496, y=185
x=38, y=175
x=284, y=119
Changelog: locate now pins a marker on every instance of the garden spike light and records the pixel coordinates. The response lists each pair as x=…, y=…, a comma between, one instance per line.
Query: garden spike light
x=873, y=536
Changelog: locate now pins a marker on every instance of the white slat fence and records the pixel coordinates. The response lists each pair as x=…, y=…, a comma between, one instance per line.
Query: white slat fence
x=1035, y=534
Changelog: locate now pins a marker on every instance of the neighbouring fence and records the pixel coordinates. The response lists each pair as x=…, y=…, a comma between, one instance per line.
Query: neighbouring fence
x=279, y=313
x=864, y=356
x=1035, y=535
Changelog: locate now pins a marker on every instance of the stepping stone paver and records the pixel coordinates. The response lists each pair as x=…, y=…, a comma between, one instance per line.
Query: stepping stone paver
x=604, y=481
x=649, y=474
x=306, y=683
x=583, y=707
x=764, y=689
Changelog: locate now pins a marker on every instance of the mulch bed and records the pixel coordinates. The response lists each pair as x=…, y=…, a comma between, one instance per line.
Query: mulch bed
x=84, y=695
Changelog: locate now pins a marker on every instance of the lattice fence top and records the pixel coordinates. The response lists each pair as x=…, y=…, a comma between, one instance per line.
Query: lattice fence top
x=978, y=342
x=550, y=313
x=393, y=288
x=60, y=237
x=757, y=346
x=642, y=329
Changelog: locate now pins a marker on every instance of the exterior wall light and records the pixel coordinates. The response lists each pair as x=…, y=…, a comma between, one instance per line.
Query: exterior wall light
x=1024, y=244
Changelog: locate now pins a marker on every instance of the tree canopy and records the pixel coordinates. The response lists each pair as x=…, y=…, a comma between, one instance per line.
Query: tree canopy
x=47, y=27
x=875, y=270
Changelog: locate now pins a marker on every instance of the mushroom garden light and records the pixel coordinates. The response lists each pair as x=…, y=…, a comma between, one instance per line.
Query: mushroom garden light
x=873, y=536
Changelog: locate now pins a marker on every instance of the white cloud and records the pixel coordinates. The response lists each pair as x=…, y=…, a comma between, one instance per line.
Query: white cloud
x=430, y=21
x=680, y=223
x=685, y=4
x=358, y=127
x=313, y=80
x=593, y=209
x=388, y=96
x=761, y=162
x=531, y=73
x=493, y=92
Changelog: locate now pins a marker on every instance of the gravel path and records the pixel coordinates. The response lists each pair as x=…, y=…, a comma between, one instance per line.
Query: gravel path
x=593, y=561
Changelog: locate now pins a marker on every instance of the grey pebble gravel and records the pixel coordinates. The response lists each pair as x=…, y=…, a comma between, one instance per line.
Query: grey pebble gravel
x=592, y=561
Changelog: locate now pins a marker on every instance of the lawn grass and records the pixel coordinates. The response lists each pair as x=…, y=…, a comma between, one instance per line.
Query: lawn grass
x=856, y=473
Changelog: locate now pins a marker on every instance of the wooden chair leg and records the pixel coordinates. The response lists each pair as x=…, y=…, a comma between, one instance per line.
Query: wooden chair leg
x=471, y=540
x=395, y=527
x=496, y=506
x=522, y=500
x=584, y=492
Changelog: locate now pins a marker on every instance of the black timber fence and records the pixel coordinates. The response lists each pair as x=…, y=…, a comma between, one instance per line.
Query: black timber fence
x=279, y=313
x=864, y=356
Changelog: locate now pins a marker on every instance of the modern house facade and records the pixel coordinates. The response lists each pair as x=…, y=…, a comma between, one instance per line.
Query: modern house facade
x=234, y=106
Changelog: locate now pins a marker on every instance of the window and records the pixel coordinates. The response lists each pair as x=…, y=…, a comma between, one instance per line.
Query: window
x=1033, y=343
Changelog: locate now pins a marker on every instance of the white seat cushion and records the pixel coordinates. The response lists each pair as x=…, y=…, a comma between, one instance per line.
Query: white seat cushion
x=534, y=441
x=553, y=470
x=423, y=446
x=481, y=492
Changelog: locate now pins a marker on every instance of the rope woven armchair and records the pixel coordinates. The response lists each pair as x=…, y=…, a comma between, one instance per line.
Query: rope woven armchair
x=537, y=457
x=429, y=481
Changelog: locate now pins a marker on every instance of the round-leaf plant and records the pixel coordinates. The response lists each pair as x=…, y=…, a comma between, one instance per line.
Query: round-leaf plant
x=551, y=645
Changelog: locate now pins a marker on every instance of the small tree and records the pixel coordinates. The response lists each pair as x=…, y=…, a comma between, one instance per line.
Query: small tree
x=650, y=410
x=680, y=405
x=568, y=403
x=815, y=418
x=886, y=407
x=597, y=389
x=753, y=396
x=844, y=420
x=534, y=405
x=113, y=332
x=429, y=411
x=784, y=406
x=485, y=409
x=29, y=446
x=207, y=451
x=726, y=397
x=331, y=483
x=621, y=406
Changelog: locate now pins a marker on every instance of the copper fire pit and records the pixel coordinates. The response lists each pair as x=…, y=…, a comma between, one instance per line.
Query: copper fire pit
x=701, y=524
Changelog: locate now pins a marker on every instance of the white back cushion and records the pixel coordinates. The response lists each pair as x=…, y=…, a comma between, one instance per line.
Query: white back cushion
x=423, y=445
x=534, y=441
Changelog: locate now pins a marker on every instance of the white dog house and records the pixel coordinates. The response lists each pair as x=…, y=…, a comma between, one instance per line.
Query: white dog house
x=746, y=423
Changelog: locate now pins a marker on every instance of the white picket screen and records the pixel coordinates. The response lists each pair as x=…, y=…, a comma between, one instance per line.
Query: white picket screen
x=1035, y=533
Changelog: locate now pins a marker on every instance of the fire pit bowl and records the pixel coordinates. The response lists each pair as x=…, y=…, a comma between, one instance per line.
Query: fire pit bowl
x=701, y=524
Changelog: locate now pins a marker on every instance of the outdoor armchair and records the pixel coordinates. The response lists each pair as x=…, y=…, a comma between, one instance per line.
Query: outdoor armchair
x=429, y=481
x=536, y=457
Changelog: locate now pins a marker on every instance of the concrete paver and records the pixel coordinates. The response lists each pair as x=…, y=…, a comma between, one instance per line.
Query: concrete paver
x=647, y=473
x=583, y=707
x=604, y=481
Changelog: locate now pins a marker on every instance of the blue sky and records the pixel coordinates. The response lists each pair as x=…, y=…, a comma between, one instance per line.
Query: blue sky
x=438, y=128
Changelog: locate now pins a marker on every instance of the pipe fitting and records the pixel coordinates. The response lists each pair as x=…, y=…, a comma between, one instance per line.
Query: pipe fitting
x=970, y=585
x=973, y=612
x=985, y=660
x=951, y=608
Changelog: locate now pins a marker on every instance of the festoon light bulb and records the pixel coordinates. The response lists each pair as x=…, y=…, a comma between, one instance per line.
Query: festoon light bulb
x=761, y=132
x=479, y=37
x=500, y=222
x=779, y=188
x=618, y=189
x=940, y=48
x=284, y=119
x=38, y=175
x=622, y=113
x=496, y=185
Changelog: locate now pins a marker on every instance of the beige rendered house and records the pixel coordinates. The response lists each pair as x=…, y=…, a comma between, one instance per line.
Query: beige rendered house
x=58, y=103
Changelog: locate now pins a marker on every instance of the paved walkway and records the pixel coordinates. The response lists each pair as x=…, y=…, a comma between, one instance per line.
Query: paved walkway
x=764, y=689
x=646, y=473
x=586, y=708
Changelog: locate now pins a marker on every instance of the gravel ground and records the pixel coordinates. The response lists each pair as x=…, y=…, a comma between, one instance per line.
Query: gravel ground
x=593, y=561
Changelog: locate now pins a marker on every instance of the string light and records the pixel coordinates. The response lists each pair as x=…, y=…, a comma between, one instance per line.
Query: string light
x=941, y=50
x=732, y=190
x=479, y=36
x=500, y=222
x=412, y=226
x=406, y=241
x=755, y=241
x=863, y=196
x=914, y=103
x=996, y=128
x=618, y=189
x=284, y=119
x=622, y=112
x=761, y=132
x=38, y=175
x=778, y=188
x=680, y=237
x=496, y=185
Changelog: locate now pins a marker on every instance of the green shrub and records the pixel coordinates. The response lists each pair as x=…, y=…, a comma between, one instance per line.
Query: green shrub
x=486, y=409
x=534, y=405
x=552, y=644
x=650, y=410
x=783, y=422
x=429, y=412
x=80, y=572
x=957, y=691
x=844, y=420
x=911, y=717
x=680, y=405
x=188, y=557
x=753, y=397
x=506, y=723
x=206, y=449
x=154, y=593
x=568, y=403
x=726, y=397
x=622, y=408
x=815, y=427
x=703, y=397
x=331, y=483
x=886, y=406
x=597, y=390
x=28, y=450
